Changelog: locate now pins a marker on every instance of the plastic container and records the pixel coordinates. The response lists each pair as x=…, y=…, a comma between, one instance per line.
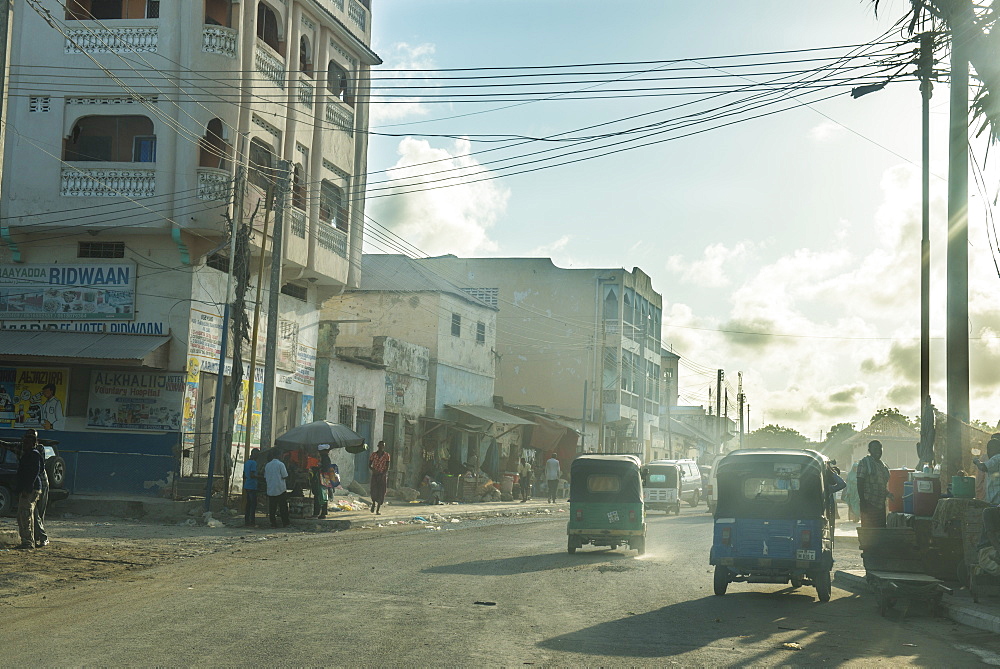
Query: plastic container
x=507, y=484
x=963, y=487
x=897, y=477
x=908, y=497
x=926, y=493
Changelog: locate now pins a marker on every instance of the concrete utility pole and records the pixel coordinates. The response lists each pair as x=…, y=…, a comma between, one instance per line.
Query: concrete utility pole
x=274, y=289
x=957, y=348
x=670, y=401
x=719, y=376
x=740, y=398
x=925, y=70
x=642, y=391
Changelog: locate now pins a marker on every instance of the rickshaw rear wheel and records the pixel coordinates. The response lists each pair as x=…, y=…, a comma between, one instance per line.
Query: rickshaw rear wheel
x=823, y=587
x=571, y=545
x=677, y=509
x=639, y=545
x=721, y=579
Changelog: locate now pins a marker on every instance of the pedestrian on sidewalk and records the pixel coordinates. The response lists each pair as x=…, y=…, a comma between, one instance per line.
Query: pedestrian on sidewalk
x=378, y=463
x=250, y=487
x=29, y=488
x=552, y=472
x=873, y=477
x=276, y=476
x=524, y=480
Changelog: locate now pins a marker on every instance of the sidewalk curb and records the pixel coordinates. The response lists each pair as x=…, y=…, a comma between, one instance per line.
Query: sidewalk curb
x=854, y=580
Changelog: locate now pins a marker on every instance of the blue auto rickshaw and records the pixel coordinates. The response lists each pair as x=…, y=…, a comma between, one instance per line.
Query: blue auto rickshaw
x=773, y=520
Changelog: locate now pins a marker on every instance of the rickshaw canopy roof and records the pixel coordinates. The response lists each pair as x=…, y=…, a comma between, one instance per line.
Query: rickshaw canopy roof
x=602, y=478
x=771, y=483
x=752, y=458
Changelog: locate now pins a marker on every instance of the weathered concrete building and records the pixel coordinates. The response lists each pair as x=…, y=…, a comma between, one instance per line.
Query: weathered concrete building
x=113, y=217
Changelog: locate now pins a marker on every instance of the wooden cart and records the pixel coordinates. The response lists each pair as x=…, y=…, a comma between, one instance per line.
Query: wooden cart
x=894, y=569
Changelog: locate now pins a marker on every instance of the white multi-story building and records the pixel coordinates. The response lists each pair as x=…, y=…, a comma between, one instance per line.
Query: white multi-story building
x=126, y=124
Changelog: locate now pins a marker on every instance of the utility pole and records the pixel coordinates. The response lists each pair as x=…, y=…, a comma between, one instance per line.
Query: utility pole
x=583, y=420
x=600, y=390
x=740, y=398
x=925, y=71
x=4, y=31
x=670, y=401
x=274, y=289
x=719, y=376
x=642, y=391
x=957, y=347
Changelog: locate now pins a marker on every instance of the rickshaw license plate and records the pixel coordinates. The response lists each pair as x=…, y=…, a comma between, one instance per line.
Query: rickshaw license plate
x=805, y=555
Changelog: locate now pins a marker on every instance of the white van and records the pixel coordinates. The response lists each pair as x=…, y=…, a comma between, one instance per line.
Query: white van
x=691, y=486
x=711, y=491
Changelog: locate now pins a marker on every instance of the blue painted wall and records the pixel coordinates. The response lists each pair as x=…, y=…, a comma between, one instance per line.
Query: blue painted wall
x=107, y=462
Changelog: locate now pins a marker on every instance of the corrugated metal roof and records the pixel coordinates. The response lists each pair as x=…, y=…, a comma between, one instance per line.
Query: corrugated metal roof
x=489, y=414
x=395, y=272
x=92, y=345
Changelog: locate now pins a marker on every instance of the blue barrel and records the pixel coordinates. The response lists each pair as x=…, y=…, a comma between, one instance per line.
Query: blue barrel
x=908, y=497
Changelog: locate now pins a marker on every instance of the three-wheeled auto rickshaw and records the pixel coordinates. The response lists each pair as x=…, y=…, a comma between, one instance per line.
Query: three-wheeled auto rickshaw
x=605, y=503
x=661, y=484
x=773, y=522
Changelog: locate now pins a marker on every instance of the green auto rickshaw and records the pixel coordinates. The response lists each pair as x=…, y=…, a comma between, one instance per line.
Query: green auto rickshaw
x=605, y=503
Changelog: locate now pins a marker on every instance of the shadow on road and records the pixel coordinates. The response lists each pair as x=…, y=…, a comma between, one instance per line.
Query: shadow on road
x=529, y=563
x=750, y=628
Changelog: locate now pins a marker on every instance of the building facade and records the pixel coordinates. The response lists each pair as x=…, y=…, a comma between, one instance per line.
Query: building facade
x=115, y=209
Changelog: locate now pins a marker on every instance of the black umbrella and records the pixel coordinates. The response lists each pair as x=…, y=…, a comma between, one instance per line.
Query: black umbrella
x=312, y=435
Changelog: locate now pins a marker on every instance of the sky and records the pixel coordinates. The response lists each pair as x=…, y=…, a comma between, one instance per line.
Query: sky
x=786, y=247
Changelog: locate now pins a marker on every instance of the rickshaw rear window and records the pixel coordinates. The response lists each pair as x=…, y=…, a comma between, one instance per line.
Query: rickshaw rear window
x=657, y=478
x=603, y=483
x=768, y=489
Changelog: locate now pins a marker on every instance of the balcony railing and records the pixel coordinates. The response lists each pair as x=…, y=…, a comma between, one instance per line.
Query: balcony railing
x=111, y=40
x=298, y=223
x=103, y=182
x=305, y=93
x=340, y=117
x=220, y=40
x=332, y=239
x=213, y=184
x=357, y=14
x=270, y=67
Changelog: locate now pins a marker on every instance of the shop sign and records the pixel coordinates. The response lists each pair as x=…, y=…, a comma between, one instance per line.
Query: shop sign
x=33, y=397
x=85, y=292
x=113, y=327
x=136, y=400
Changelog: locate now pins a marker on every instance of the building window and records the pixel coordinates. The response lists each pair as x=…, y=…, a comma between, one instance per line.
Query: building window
x=490, y=296
x=339, y=83
x=480, y=333
x=213, y=150
x=261, y=165
x=296, y=291
x=267, y=27
x=111, y=139
x=305, y=57
x=456, y=325
x=100, y=250
x=218, y=13
x=346, y=415
x=40, y=103
x=332, y=206
x=298, y=188
x=218, y=261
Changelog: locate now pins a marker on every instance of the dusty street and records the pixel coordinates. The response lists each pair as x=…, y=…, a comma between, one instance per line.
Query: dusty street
x=488, y=592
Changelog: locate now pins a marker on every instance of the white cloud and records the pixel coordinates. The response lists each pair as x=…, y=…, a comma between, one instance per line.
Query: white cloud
x=711, y=270
x=827, y=131
x=400, y=56
x=427, y=210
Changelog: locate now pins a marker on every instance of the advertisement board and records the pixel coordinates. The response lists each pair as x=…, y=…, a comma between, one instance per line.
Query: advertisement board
x=33, y=397
x=136, y=400
x=56, y=292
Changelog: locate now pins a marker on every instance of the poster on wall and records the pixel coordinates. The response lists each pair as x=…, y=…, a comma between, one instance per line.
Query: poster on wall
x=307, y=409
x=136, y=400
x=97, y=291
x=33, y=397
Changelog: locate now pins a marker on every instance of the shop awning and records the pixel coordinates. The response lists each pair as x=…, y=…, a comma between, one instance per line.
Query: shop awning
x=489, y=414
x=84, y=347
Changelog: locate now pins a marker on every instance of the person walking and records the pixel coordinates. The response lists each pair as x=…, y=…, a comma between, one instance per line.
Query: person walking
x=378, y=463
x=524, y=479
x=29, y=487
x=276, y=475
x=250, y=488
x=552, y=472
x=873, y=476
x=41, y=536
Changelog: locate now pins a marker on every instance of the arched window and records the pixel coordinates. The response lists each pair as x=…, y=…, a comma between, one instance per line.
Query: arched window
x=610, y=304
x=339, y=83
x=112, y=139
x=333, y=205
x=261, y=171
x=305, y=57
x=219, y=13
x=298, y=188
x=267, y=27
x=214, y=150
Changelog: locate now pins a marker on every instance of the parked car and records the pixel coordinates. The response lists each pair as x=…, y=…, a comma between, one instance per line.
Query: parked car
x=712, y=489
x=55, y=467
x=691, y=490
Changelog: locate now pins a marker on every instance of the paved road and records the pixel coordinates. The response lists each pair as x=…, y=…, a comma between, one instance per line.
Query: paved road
x=409, y=596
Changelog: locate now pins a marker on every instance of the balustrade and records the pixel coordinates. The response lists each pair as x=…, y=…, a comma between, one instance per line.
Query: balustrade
x=298, y=225
x=340, y=117
x=220, y=40
x=332, y=239
x=357, y=14
x=270, y=67
x=305, y=93
x=103, y=182
x=213, y=184
x=111, y=40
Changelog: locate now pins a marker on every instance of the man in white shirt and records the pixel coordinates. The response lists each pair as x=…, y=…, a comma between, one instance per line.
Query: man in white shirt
x=52, y=411
x=275, y=474
x=552, y=471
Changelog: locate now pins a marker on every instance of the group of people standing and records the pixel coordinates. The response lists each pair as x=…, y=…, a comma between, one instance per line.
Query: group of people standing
x=552, y=471
x=33, y=492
